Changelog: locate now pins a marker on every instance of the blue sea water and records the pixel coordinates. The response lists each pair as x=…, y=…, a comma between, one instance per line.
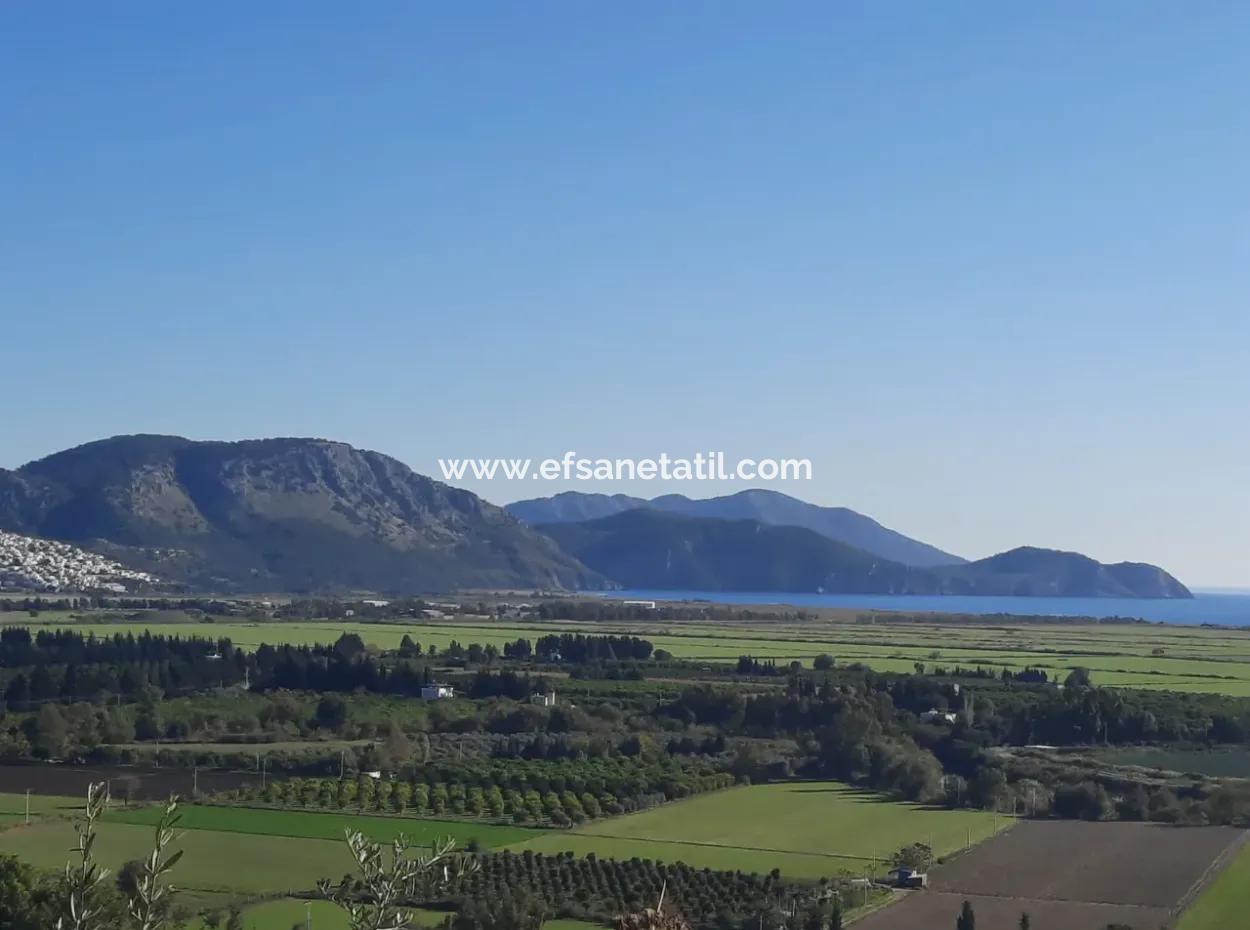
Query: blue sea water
x=1225, y=608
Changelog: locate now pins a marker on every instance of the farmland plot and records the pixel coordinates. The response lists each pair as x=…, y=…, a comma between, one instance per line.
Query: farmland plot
x=805, y=829
x=1070, y=874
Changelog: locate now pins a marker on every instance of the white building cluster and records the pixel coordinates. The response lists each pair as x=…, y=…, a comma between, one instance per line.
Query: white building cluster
x=27, y=563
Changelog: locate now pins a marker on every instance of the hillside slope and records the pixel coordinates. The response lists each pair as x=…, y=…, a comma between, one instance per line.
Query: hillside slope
x=277, y=515
x=649, y=549
x=1032, y=572
x=771, y=508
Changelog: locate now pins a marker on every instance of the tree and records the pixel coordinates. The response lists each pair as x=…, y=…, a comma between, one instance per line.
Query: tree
x=1025, y=921
x=372, y=900
x=145, y=884
x=234, y=918
x=823, y=662
x=116, y=727
x=149, y=902
x=51, y=732
x=331, y=712
x=396, y=749
x=24, y=899
x=1087, y=800
x=1079, y=677
x=967, y=920
x=349, y=645
x=408, y=647
x=654, y=918
x=516, y=911
x=918, y=857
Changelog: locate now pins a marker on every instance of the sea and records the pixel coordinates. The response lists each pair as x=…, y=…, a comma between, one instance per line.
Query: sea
x=1220, y=608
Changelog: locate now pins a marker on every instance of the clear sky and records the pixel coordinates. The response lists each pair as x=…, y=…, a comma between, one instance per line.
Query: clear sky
x=986, y=264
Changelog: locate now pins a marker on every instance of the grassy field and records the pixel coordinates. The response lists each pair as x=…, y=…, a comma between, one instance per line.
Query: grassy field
x=806, y=829
x=328, y=826
x=215, y=861
x=285, y=913
x=1128, y=655
x=13, y=808
x=1225, y=902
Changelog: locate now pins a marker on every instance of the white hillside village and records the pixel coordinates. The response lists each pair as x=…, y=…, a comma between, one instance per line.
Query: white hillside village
x=43, y=565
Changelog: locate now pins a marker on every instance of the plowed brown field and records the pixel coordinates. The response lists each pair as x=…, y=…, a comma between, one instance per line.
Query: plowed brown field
x=1067, y=875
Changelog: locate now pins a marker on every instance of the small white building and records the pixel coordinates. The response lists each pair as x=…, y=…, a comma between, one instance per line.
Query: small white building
x=437, y=692
x=933, y=715
x=544, y=700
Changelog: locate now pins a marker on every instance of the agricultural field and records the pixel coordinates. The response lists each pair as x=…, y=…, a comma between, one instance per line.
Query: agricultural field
x=1071, y=874
x=13, y=807
x=141, y=784
x=285, y=913
x=329, y=826
x=805, y=829
x=214, y=861
x=1220, y=763
x=1127, y=655
x=1225, y=902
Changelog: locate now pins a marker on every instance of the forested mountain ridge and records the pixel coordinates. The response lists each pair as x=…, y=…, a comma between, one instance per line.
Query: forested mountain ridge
x=649, y=549
x=770, y=508
x=277, y=514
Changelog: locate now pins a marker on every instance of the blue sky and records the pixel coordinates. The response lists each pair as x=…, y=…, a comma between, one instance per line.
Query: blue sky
x=985, y=264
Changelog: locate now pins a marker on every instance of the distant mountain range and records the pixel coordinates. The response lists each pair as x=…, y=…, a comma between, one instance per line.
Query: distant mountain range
x=310, y=515
x=278, y=515
x=768, y=507
x=645, y=548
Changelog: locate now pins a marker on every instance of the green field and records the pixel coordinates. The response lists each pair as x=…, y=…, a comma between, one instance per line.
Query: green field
x=328, y=826
x=805, y=829
x=1225, y=902
x=1127, y=655
x=13, y=807
x=233, y=862
x=285, y=913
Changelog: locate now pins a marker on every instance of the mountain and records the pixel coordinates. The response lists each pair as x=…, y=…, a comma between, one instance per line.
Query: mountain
x=645, y=548
x=1033, y=572
x=573, y=507
x=768, y=507
x=277, y=515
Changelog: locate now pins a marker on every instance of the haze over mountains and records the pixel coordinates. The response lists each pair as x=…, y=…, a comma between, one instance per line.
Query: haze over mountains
x=303, y=515
x=651, y=549
x=768, y=507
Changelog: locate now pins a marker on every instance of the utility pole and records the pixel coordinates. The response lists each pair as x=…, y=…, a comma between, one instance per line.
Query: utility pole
x=342, y=761
x=307, y=915
x=264, y=762
x=28, y=807
x=195, y=781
